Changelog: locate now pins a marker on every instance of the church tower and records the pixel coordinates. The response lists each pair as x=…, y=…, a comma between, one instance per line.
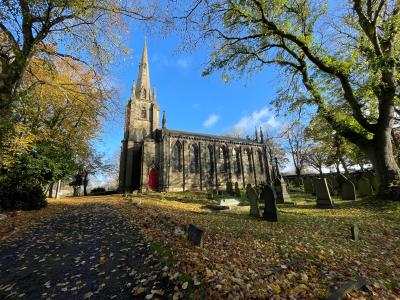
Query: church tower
x=141, y=120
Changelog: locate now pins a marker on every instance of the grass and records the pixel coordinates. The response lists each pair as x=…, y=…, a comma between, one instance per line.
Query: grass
x=240, y=251
x=319, y=237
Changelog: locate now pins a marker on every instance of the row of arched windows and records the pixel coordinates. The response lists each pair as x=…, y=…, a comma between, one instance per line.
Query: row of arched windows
x=222, y=157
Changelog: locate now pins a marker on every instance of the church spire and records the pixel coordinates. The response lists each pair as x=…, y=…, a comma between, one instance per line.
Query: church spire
x=143, y=80
x=164, y=120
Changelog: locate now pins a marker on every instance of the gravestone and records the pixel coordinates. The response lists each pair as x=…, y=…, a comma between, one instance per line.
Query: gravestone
x=347, y=190
x=324, y=199
x=237, y=190
x=309, y=186
x=354, y=232
x=270, y=210
x=285, y=193
x=229, y=188
x=364, y=187
x=253, y=199
x=210, y=196
x=278, y=191
x=375, y=183
x=195, y=235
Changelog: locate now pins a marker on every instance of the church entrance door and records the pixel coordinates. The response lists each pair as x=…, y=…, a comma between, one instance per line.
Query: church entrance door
x=152, y=183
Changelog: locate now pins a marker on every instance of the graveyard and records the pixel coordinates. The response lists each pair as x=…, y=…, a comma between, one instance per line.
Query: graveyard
x=306, y=254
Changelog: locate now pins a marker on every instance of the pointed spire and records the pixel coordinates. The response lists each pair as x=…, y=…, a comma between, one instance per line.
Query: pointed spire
x=154, y=95
x=133, y=91
x=164, y=120
x=143, y=80
x=256, y=133
x=261, y=136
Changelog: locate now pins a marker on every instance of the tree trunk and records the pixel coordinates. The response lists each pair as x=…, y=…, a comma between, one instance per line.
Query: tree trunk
x=51, y=186
x=380, y=152
x=346, y=170
x=85, y=184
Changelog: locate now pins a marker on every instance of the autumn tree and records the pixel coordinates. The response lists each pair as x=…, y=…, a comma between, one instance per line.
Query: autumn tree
x=297, y=145
x=83, y=30
x=61, y=106
x=330, y=56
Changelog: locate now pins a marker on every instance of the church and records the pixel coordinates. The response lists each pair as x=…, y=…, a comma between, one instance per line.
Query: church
x=162, y=159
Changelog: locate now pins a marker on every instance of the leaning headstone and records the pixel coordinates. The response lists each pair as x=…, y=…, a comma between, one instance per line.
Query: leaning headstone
x=229, y=188
x=364, y=187
x=348, y=190
x=354, y=232
x=237, y=190
x=278, y=191
x=324, y=199
x=270, y=210
x=253, y=199
x=195, y=235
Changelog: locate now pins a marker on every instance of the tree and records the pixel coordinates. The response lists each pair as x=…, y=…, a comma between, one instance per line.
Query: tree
x=91, y=164
x=316, y=158
x=87, y=31
x=331, y=57
x=298, y=146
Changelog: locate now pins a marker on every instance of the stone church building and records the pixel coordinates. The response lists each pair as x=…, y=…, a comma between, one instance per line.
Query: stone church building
x=161, y=159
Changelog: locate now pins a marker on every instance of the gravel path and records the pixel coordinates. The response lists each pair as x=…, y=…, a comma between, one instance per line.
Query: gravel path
x=90, y=251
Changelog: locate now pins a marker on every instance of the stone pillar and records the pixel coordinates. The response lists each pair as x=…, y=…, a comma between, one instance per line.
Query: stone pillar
x=242, y=167
x=200, y=166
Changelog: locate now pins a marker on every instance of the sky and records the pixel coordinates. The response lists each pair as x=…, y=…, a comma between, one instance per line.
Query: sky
x=191, y=102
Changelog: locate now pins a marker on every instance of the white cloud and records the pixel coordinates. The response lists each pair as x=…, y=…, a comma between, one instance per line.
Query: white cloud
x=183, y=63
x=211, y=120
x=259, y=118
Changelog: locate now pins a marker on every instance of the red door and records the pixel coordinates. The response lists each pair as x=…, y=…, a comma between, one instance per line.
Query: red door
x=152, y=179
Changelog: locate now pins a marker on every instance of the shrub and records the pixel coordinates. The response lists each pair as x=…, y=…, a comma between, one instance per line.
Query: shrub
x=21, y=196
x=98, y=190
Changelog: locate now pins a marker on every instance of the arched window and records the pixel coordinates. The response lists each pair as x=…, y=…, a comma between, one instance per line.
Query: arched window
x=211, y=159
x=250, y=163
x=144, y=93
x=144, y=113
x=194, y=158
x=177, y=157
x=261, y=161
x=236, y=155
x=223, y=162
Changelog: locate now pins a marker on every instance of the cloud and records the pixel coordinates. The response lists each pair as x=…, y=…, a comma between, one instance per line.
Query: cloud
x=211, y=120
x=259, y=118
x=183, y=63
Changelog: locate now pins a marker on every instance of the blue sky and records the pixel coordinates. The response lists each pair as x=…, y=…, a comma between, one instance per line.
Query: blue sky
x=192, y=102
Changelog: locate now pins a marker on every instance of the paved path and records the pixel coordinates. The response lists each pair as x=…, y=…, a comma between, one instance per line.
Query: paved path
x=91, y=251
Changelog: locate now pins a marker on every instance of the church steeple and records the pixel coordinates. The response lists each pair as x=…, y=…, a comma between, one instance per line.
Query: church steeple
x=143, y=80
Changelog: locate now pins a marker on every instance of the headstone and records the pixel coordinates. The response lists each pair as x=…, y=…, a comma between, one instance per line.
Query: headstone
x=324, y=199
x=364, y=187
x=210, y=196
x=229, y=188
x=195, y=235
x=308, y=186
x=237, y=190
x=348, y=190
x=229, y=202
x=253, y=199
x=354, y=232
x=285, y=193
x=270, y=210
x=375, y=183
x=278, y=191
